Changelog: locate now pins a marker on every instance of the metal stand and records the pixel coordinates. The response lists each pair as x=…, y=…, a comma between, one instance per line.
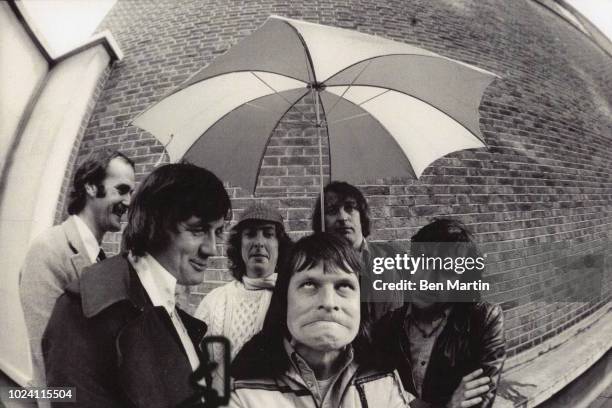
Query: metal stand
x=205, y=396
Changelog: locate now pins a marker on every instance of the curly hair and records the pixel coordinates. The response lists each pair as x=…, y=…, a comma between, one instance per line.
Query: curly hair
x=234, y=247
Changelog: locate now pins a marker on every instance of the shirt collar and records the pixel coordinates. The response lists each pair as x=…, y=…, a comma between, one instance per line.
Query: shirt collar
x=92, y=247
x=444, y=313
x=159, y=284
x=364, y=246
x=301, y=365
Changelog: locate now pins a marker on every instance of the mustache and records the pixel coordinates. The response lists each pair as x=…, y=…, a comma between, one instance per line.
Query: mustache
x=119, y=209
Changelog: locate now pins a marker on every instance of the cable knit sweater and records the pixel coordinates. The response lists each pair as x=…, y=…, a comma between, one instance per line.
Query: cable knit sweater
x=235, y=312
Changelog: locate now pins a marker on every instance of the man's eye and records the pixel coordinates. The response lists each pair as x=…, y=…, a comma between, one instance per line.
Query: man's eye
x=197, y=232
x=346, y=287
x=331, y=210
x=122, y=190
x=307, y=285
x=350, y=207
x=219, y=232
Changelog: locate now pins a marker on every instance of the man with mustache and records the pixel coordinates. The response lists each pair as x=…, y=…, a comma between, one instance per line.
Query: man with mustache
x=347, y=215
x=101, y=193
x=256, y=249
x=116, y=335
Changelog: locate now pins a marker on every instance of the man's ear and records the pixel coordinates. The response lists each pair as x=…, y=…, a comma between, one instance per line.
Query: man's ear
x=91, y=190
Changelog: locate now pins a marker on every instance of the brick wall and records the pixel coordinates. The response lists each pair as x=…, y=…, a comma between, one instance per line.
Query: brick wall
x=538, y=198
x=61, y=211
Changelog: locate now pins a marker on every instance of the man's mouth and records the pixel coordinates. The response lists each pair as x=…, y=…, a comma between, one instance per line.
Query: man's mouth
x=199, y=266
x=119, y=209
x=344, y=230
x=259, y=255
x=323, y=321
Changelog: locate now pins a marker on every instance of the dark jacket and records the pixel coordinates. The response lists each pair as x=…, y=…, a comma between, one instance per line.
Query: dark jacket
x=472, y=338
x=107, y=340
x=379, y=303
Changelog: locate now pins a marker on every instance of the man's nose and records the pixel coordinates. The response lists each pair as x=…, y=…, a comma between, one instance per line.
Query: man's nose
x=327, y=298
x=208, y=247
x=342, y=214
x=259, y=239
x=127, y=199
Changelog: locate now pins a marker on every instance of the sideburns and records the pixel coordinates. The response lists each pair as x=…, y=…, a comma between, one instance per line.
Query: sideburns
x=101, y=191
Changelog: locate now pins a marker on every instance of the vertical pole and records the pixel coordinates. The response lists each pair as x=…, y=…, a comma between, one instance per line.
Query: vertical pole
x=316, y=96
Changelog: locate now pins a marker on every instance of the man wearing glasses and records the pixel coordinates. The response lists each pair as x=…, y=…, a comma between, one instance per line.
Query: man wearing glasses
x=346, y=214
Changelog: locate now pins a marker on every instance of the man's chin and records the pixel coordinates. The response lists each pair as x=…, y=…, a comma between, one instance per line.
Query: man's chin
x=350, y=237
x=331, y=343
x=114, y=227
x=259, y=270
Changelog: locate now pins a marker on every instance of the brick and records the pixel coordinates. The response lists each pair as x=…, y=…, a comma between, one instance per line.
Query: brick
x=543, y=178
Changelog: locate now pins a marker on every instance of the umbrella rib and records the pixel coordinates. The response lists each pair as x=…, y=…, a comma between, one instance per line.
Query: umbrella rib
x=349, y=118
x=348, y=87
x=374, y=97
x=278, y=94
x=359, y=104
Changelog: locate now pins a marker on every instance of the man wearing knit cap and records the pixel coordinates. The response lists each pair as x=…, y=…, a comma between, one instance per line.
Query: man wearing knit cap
x=256, y=249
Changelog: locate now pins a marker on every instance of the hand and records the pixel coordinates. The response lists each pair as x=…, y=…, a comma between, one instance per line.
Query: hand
x=469, y=391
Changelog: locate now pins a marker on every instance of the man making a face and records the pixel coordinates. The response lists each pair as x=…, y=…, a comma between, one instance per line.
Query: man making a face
x=128, y=344
x=346, y=215
x=101, y=192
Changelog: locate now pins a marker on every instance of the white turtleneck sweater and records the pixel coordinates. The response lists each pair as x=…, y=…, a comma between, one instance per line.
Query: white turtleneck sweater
x=237, y=312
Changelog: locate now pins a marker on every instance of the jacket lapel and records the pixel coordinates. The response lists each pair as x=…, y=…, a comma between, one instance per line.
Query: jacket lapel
x=152, y=367
x=150, y=353
x=196, y=329
x=79, y=258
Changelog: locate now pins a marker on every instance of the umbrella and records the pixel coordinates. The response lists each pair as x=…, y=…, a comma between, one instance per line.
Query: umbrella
x=390, y=108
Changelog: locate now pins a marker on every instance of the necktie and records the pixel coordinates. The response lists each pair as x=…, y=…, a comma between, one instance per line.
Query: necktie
x=101, y=256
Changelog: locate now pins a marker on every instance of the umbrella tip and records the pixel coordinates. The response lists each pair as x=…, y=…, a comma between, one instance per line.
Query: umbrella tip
x=317, y=86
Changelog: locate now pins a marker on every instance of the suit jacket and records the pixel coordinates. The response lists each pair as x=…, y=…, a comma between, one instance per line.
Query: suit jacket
x=54, y=259
x=107, y=339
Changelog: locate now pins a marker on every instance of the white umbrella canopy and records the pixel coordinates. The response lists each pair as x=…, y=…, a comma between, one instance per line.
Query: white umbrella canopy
x=391, y=109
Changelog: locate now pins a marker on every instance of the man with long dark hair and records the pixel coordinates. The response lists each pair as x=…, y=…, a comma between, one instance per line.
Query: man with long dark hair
x=116, y=335
x=447, y=345
x=314, y=348
x=346, y=214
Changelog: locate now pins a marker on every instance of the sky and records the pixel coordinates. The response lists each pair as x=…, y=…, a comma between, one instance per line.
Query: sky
x=66, y=24
x=598, y=11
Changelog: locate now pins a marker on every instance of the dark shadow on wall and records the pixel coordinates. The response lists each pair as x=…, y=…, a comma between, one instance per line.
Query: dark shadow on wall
x=512, y=391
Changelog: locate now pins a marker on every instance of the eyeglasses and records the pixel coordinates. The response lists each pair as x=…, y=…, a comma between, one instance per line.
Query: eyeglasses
x=334, y=209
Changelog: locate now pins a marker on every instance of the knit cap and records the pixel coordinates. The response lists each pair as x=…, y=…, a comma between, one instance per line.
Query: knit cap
x=261, y=212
